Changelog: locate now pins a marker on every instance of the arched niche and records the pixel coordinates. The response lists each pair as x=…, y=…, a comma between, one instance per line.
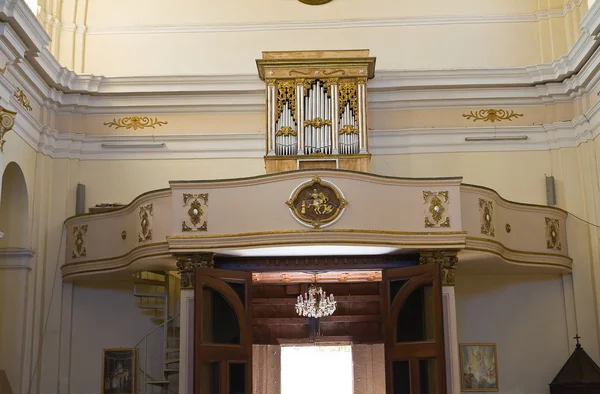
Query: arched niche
x=15, y=259
x=14, y=208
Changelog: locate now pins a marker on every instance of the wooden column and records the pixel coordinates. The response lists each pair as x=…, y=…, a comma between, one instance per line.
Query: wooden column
x=448, y=261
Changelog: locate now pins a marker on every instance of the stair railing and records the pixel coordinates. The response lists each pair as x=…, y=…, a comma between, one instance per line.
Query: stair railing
x=148, y=374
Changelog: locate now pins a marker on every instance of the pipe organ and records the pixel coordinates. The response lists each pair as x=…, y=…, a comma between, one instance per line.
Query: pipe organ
x=316, y=109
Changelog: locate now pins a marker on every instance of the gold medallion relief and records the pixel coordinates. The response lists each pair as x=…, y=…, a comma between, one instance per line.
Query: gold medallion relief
x=145, y=214
x=486, y=210
x=79, y=249
x=317, y=203
x=196, y=209
x=436, y=209
x=553, y=234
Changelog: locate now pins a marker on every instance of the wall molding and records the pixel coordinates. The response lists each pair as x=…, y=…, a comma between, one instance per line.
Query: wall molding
x=251, y=145
x=55, y=89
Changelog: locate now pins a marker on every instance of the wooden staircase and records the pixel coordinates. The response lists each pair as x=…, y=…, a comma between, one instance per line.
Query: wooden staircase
x=158, y=351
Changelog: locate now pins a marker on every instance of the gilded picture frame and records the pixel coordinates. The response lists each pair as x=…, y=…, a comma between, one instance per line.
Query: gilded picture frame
x=119, y=371
x=478, y=367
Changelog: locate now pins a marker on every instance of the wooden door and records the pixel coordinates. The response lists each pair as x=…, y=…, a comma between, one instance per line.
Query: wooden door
x=222, y=332
x=413, y=330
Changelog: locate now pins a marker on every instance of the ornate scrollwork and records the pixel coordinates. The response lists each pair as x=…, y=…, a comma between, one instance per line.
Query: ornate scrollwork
x=196, y=206
x=447, y=259
x=492, y=115
x=79, y=249
x=135, y=122
x=436, y=209
x=145, y=223
x=22, y=99
x=348, y=93
x=7, y=121
x=553, y=234
x=286, y=91
x=486, y=210
x=186, y=265
x=317, y=123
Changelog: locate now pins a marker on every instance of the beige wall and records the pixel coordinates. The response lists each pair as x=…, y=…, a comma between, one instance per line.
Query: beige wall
x=145, y=40
x=525, y=316
x=109, y=311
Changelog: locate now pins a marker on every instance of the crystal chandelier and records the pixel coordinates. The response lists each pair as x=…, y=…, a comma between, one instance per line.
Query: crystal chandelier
x=315, y=303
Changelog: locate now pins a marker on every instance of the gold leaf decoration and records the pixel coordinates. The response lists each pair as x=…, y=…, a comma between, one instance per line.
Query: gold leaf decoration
x=7, y=121
x=145, y=223
x=348, y=93
x=286, y=131
x=79, y=249
x=348, y=129
x=196, y=208
x=492, y=115
x=22, y=99
x=135, y=122
x=286, y=92
x=3, y=69
x=436, y=209
x=317, y=123
x=553, y=234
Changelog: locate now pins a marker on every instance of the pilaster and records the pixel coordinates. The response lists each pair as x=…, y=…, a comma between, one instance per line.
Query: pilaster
x=187, y=264
x=448, y=260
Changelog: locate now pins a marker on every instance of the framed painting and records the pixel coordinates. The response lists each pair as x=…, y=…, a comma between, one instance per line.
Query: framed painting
x=119, y=371
x=478, y=367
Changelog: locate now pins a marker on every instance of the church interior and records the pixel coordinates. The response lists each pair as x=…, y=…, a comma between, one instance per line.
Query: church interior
x=291, y=196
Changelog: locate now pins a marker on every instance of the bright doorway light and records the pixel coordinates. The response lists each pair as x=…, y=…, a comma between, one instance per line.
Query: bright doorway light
x=316, y=370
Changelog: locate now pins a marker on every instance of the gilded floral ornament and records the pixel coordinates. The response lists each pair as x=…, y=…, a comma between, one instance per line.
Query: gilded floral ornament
x=135, y=122
x=286, y=92
x=7, y=121
x=317, y=203
x=317, y=123
x=196, y=208
x=447, y=259
x=286, y=131
x=486, y=210
x=145, y=223
x=492, y=115
x=553, y=234
x=79, y=249
x=436, y=209
x=348, y=93
x=22, y=99
x=348, y=129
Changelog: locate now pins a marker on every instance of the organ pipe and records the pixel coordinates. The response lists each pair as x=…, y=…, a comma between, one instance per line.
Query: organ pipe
x=310, y=119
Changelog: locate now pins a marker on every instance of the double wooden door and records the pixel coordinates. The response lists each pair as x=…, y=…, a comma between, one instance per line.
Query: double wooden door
x=412, y=325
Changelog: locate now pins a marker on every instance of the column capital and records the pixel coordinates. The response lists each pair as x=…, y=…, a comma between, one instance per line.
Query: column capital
x=447, y=259
x=187, y=264
x=7, y=121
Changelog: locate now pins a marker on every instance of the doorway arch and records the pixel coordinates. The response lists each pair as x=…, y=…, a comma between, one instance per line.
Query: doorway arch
x=14, y=208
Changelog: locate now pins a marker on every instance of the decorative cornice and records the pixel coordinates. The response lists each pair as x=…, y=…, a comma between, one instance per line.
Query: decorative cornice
x=251, y=145
x=15, y=258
